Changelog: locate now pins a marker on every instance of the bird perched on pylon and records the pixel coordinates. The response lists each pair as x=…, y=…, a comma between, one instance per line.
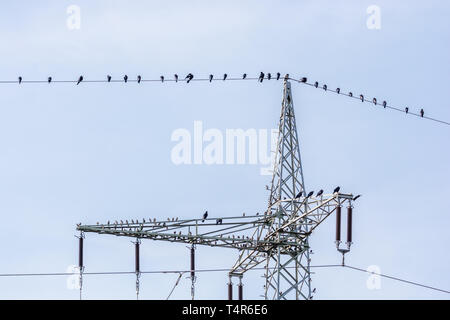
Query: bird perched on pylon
x=205, y=215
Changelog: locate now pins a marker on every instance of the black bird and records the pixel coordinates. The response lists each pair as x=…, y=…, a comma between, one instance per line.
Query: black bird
x=325, y=87
x=244, y=76
x=338, y=90
x=79, y=80
x=337, y=190
x=205, y=215
x=350, y=94
x=269, y=76
x=422, y=113
x=320, y=192
x=304, y=79
x=210, y=77
x=49, y=79
x=225, y=77
x=310, y=194
x=355, y=198
x=299, y=195
x=261, y=77
x=361, y=97
x=162, y=78
x=278, y=75
x=406, y=110
x=125, y=78
x=374, y=100
x=189, y=77
x=20, y=80
x=139, y=78
x=316, y=84
x=109, y=78
x=219, y=221
x=176, y=77
x=384, y=104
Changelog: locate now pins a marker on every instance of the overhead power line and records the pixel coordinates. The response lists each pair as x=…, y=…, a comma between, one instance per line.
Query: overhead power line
x=262, y=77
x=181, y=272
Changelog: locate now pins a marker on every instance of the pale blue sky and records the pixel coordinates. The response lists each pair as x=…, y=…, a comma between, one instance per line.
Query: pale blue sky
x=101, y=152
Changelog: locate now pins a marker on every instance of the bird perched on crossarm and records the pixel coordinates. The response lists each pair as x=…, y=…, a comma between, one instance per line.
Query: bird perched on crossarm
x=205, y=215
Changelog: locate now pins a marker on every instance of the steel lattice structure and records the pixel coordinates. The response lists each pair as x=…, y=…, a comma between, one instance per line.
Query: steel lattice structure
x=277, y=239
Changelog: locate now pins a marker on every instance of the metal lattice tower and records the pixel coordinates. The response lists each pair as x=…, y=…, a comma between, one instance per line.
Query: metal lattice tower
x=277, y=240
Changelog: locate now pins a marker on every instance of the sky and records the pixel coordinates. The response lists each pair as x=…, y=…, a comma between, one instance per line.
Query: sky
x=96, y=152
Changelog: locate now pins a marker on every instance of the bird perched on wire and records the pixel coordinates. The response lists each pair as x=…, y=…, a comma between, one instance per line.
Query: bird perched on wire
x=325, y=87
x=244, y=76
x=384, y=104
x=320, y=193
x=108, y=78
x=338, y=90
x=336, y=190
x=406, y=110
x=219, y=221
x=49, y=79
x=125, y=78
x=374, y=101
x=189, y=77
x=316, y=84
x=225, y=77
x=361, y=97
x=139, y=78
x=269, y=76
x=261, y=77
x=162, y=78
x=278, y=75
x=422, y=113
x=176, y=77
x=304, y=80
x=211, y=77
x=205, y=215
x=350, y=94
x=20, y=80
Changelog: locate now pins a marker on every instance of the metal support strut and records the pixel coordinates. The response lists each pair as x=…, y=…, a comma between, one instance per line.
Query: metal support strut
x=230, y=289
x=193, y=278
x=80, y=261
x=137, y=266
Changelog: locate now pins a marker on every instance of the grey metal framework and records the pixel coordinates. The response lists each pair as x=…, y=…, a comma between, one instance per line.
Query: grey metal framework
x=277, y=238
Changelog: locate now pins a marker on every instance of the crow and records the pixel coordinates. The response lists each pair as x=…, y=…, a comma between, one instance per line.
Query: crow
x=278, y=75
x=316, y=84
x=269, y=76
x=261, y=77
x=176, y=77
x=361, y=97
x=49, y=79
x=310, y=194
x=384, y=104
x=139, y=78
x=355, y=198
x=320, y=192
x=125, y=78
x=407, y=110
x=337, y=190
x=20, y=80
x=109, y=78
x=338, y=90
x=79, y=80
x=162, y=78
x=304, y=79
x=350, y=94
x=189, y=77
x=205, y=215
x=422, y=113
x=211, y=77
x=299, y=195
x=244, y=76
x=374, y=101
x=325, y=87
x=219, y=221
x=225, y=77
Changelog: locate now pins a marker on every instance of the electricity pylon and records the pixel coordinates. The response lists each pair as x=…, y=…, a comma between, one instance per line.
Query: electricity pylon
x=277, y=239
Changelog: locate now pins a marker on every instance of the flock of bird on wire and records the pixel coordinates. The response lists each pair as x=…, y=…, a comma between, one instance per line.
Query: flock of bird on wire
x=189, y=77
